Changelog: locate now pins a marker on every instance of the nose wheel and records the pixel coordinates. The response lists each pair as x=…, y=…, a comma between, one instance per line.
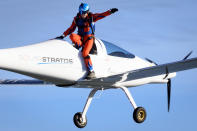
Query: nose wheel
x=79, y=121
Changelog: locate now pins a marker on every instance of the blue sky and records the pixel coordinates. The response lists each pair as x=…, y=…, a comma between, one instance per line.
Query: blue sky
x=163, y=31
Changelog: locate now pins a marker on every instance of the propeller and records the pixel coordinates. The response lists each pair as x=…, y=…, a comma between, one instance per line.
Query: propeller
x=169, y=81
x=149, y=60
x=169, y=93
x=168, y=87
x=187, y=55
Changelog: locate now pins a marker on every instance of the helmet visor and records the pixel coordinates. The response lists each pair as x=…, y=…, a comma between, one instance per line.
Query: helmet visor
x=83, y=12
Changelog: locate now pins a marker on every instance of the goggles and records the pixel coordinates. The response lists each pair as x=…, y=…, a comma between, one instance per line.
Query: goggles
x=83, y=12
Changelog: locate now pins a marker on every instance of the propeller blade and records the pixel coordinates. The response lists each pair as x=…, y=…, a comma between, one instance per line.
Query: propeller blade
x=169, y=93
x=187, y=55
x=149, y=60
x=167, y=73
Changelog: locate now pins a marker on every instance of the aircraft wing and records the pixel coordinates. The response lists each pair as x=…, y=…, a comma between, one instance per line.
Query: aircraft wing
x=23, y=82
x=143, y=73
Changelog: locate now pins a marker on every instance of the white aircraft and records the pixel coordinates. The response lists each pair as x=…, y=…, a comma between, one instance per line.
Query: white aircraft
x=57, y=62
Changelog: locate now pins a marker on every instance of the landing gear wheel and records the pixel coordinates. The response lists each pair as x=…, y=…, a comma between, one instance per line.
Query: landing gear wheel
x=78, y=120
x=139, y=115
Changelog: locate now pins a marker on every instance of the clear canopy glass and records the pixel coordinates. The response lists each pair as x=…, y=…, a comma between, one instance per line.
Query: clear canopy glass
x=114, y=50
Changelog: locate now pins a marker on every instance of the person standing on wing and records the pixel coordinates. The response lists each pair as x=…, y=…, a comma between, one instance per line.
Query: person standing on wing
x=84, y=21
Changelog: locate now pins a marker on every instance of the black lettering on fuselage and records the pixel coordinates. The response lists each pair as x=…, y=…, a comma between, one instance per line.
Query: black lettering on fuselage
x=53, y=60
x=57, y=60
x=44, y=59
x=71, y=61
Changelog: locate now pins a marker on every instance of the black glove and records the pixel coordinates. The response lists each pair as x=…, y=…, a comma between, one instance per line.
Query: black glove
x=60, y=37
x=113, y=10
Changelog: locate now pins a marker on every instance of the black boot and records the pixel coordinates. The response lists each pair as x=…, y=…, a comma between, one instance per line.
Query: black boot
x=91, y=75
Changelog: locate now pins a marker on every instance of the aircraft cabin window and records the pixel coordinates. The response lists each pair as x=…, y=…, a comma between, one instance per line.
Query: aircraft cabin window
x=114, y=50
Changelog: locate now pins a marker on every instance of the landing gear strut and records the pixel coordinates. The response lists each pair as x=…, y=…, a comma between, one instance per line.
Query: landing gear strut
x=139, y=114
x=80, y=120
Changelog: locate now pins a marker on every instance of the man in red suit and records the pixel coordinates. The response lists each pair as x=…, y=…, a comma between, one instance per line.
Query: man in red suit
x=84, y=21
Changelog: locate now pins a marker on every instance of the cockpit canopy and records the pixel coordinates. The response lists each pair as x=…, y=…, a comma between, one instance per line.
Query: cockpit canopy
x=114, y=50
x=104, y=47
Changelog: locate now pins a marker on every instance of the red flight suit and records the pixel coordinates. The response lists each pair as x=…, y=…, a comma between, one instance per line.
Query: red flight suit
x=85, y=34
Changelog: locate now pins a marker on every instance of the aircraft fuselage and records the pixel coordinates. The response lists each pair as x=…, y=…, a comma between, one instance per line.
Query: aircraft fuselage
x=59, y=62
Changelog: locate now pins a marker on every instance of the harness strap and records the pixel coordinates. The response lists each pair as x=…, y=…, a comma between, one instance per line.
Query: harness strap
x=87, y=57
x=89, y=38
x=89, y=20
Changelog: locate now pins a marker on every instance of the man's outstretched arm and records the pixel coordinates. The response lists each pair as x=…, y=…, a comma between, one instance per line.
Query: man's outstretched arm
x=99, y=16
